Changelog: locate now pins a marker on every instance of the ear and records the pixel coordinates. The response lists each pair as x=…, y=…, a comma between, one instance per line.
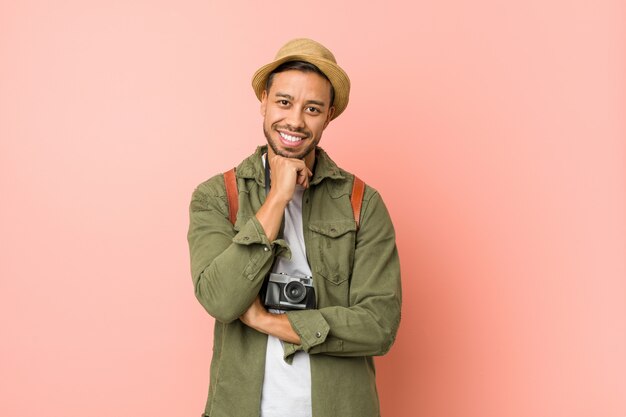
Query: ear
x=263, y=102
x=329, y=117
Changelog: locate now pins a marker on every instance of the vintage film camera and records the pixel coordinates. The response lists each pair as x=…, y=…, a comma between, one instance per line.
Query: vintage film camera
x=286, y=292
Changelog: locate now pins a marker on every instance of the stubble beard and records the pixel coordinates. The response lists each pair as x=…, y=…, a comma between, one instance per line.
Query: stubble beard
x=300, y=155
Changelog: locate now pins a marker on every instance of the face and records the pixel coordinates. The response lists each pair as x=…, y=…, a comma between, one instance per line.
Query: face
x=295, y=111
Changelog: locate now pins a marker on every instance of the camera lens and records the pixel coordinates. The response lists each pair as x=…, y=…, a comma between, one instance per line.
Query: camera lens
x=295, y=292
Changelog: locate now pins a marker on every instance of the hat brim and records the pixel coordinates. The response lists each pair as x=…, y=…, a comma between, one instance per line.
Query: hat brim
x=337, y=77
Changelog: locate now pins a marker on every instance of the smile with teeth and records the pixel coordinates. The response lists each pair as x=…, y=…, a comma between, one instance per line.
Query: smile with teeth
x=289, y=138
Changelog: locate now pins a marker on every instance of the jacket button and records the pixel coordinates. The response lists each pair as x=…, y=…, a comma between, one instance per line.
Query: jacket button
x=266, y=249
x=318, y=335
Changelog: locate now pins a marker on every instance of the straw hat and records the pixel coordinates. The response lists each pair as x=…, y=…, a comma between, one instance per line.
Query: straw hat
x=314, y=53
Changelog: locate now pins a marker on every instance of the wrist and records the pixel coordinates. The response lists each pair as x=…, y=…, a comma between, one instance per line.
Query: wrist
x=278, y=326
x=277, y=199
x=263, y=322
x=270, y=215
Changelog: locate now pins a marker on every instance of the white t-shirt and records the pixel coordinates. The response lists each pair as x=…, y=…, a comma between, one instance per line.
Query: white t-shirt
x=287, y=388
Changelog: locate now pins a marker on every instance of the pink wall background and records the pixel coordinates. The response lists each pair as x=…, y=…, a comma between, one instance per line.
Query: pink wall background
x=494, y=130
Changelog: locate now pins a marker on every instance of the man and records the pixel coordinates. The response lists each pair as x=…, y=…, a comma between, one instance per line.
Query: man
x=308, y=361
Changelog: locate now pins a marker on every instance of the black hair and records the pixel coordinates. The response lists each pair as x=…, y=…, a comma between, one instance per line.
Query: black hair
x=299, y=66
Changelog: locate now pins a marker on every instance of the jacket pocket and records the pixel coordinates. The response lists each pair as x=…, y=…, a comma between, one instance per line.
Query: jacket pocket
x=332, y=249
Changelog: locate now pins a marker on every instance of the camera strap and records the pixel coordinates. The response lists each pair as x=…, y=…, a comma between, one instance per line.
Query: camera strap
x=268, y=177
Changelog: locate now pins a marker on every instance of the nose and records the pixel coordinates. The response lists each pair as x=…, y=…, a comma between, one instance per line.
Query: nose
x=295, y=119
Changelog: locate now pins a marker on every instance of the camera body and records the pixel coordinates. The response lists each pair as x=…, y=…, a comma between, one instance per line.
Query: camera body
x=286, y=292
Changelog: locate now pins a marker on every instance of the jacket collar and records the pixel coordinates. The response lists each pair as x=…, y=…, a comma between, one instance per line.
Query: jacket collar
x=252, y=167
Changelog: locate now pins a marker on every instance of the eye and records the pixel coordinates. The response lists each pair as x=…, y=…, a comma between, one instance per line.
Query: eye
x=313, y=109
x=283, y=102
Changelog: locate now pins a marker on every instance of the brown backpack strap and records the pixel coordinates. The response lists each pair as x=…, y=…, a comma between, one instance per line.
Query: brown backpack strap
x=230, y=180
x=358, y=189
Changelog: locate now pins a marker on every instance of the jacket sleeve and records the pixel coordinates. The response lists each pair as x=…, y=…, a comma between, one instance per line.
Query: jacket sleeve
x=368, y=326
x=227, y=266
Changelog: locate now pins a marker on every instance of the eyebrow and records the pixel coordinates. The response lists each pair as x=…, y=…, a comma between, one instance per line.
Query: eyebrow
x=290, y=97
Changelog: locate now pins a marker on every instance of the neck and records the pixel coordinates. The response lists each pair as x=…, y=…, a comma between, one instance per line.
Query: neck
x=309, y=160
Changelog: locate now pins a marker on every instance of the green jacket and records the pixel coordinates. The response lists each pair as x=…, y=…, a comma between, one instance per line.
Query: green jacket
x=357, y=285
